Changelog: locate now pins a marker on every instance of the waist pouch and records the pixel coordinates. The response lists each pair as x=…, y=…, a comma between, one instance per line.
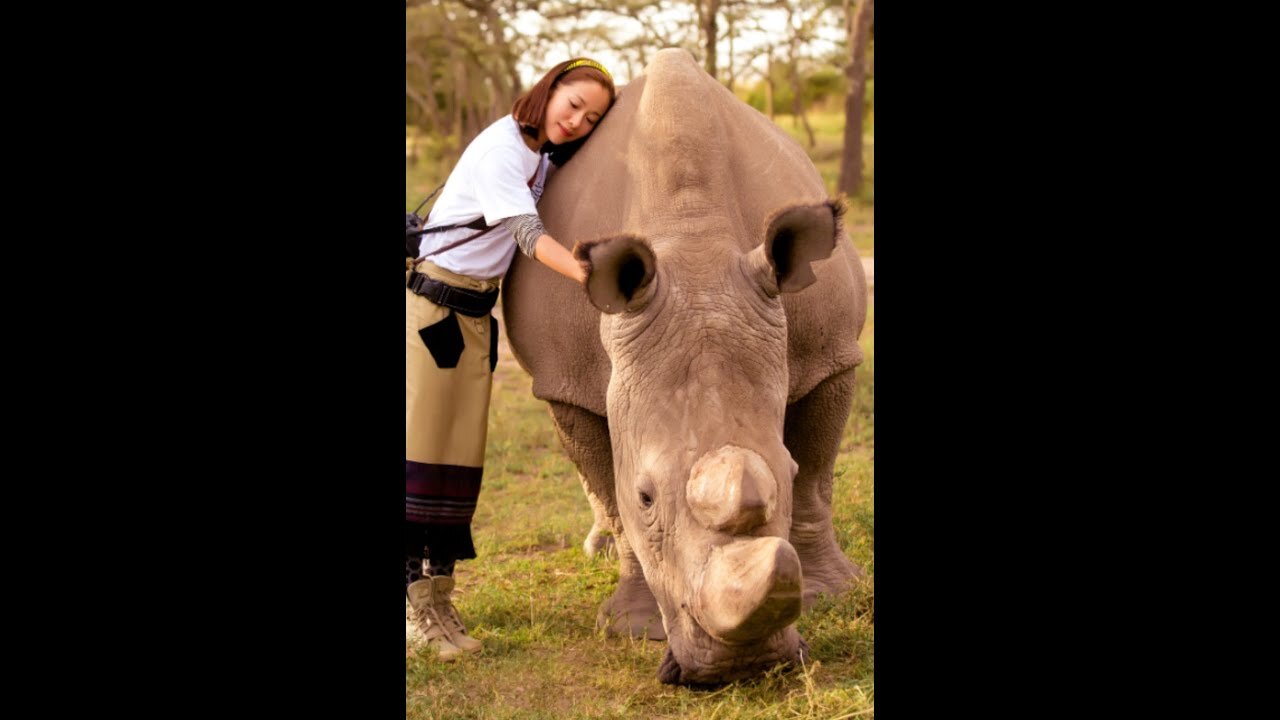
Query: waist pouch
x=467, y=302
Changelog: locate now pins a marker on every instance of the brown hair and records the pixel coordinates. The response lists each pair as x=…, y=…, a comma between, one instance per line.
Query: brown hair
x=530, y=109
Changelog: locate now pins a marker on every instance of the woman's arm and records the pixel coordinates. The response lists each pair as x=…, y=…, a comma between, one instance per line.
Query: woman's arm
x=537, y=244
x=553, y=255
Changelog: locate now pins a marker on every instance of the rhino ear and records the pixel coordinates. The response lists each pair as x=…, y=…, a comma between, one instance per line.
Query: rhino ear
x=794, y=238
x=620, y=272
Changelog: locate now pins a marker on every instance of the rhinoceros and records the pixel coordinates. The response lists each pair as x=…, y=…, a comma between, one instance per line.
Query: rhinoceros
x=702, y=382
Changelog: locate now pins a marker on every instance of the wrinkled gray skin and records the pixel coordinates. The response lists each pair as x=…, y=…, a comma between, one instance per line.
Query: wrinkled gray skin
x=702, y=382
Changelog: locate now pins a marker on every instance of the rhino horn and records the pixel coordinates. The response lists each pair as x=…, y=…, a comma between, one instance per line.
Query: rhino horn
x=732, y=490
x=750, y=589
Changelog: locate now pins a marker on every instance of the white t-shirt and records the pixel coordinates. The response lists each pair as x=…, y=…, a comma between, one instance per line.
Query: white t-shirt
x=498, y=176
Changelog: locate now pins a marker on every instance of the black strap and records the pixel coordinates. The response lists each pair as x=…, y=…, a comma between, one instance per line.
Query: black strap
x=466, y=239
x=467, y=302
x=424, y=202
x=413, y=238
x=477, y=224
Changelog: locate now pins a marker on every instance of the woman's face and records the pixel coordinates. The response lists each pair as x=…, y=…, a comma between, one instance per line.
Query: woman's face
x=573, y=110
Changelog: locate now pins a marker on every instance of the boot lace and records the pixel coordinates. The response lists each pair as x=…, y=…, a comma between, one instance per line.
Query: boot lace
x=451, y=618
x=429, y=622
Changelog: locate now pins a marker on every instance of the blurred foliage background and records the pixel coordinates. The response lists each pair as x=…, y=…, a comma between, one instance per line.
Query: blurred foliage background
x=808, y=64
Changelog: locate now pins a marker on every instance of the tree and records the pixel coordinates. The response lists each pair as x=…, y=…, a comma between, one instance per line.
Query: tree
x=460, y=70
x=507, y=78
x=739, y=16
x=858, y=30
x=803, y=20
x=580, y=27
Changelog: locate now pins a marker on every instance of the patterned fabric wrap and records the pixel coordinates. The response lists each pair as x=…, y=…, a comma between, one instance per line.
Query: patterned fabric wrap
x=448, y=376
x=526, y=229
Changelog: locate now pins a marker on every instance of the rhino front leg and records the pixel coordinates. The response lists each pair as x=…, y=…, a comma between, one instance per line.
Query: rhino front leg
x=813, y=430
x=600, y=541
x=632, y=609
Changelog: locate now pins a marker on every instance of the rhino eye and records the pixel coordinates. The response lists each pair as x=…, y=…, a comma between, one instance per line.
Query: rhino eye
x=646, y=500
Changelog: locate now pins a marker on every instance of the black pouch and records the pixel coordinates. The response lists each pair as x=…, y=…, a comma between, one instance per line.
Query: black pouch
x=444, y=340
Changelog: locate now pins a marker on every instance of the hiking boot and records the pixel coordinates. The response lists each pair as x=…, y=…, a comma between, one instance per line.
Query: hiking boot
x=424, y=625
x=449, y=614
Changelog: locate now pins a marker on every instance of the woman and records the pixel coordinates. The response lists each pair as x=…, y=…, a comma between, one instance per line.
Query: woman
x=486, y=211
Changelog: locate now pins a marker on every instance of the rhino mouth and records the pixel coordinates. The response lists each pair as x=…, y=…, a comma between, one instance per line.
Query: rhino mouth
x=791, y=649
x=740, y=617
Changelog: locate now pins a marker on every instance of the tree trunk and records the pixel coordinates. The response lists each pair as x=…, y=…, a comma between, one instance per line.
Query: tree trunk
x=857, y=30
x=478, y=124
x=712, y=9
x=797, y=102
x=427, y=103
x=768, y=84
x=506, y=89
x=460, y=105
x=426, y=99
x=459, y=94
x=728, y=82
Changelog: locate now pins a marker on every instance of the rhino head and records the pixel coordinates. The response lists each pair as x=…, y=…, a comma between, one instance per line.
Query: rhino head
x=696, y=336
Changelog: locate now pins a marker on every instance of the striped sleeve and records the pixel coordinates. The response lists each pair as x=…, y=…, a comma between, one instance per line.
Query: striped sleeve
x=525, y=229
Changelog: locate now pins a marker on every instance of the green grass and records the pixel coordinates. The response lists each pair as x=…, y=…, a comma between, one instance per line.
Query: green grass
x=531, y=595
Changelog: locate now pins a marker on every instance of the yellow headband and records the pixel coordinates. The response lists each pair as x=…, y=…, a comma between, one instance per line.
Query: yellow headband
x=588, y=63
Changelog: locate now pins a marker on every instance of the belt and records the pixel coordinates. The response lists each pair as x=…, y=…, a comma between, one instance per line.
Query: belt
x=467, y=302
